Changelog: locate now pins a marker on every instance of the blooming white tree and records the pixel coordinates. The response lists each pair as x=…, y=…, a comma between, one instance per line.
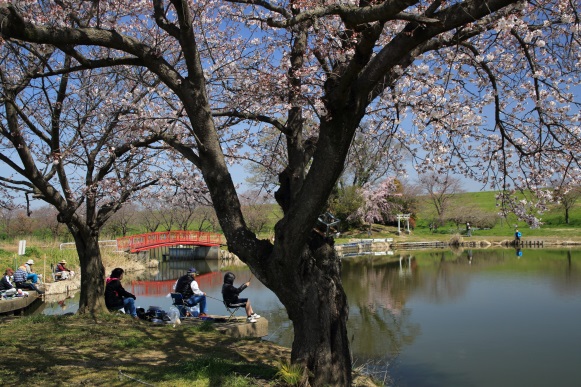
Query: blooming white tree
x=484, y=88
x=376, y=201
x=67, y=140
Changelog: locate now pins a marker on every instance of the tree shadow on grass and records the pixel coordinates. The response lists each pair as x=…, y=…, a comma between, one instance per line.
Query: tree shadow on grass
x=116, y=351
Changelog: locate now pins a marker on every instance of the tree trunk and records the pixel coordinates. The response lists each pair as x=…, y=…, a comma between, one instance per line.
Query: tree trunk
x=92, y=273
x=317, y=305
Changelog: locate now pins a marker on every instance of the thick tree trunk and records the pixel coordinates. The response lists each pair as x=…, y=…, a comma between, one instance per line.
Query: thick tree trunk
x=315, y=300
x=92, y=273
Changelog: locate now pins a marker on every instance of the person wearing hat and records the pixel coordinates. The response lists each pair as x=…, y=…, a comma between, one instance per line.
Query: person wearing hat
x=62, y=272
x=30, y=274
x=188, y=287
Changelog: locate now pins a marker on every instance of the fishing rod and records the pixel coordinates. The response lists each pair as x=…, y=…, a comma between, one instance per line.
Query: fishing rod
x=214, y=298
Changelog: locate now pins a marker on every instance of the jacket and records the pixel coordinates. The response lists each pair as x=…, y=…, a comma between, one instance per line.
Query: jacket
x=184, y=286
x=5, y=283
x=20, y=275
x=230, y=292
x=115, y=293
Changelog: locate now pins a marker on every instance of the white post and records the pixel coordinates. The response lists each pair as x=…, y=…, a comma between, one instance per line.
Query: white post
x=22, y=247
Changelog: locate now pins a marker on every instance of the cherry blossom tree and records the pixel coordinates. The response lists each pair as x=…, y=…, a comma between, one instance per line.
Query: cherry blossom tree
x=376, y=201
x=567, y=200
x=483, y=88
x=65, y=134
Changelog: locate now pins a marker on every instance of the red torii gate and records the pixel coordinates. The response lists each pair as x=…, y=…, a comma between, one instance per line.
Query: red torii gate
x=141, y=242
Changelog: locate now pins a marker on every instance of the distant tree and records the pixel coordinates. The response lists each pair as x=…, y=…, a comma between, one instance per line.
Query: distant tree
x=462, y=214
x=440, y=189
x=405, y=200
x=22, y=225
x=6, y=217
x=377, y=203
x=344, y=203
x=120, y=221
x=149, y=214
x=206, y=219
x=568, y=200
x=256, y=210
x=47, y=218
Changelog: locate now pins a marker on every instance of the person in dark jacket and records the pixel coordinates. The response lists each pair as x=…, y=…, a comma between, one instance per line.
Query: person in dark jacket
x=190, y=290
x=230, y=295
x=5, y=283
x=116, y=297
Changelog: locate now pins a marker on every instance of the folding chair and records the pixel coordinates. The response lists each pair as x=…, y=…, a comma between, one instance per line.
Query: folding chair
x=178, y=302
x=232, y=309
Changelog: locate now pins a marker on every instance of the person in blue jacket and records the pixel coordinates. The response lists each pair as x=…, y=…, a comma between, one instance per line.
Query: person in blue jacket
x=517, y=235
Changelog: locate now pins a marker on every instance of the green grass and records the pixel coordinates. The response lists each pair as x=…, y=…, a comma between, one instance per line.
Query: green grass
x=115, y=350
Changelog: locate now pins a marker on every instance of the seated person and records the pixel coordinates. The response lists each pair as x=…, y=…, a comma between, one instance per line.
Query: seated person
x=62, y=272
x=5, y=284
x=116, y=297
x=190, y=291
x=20, y=277
x=230, y=295
x=30, y=274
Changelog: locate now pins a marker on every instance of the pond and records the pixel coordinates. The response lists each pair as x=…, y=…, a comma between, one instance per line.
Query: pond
x=490, y=317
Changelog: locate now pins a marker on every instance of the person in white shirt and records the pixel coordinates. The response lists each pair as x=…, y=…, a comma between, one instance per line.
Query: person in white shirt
x=190, y=290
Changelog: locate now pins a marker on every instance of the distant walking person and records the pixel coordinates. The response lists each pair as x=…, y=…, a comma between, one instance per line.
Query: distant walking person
x=230, y=295
x=468, y=229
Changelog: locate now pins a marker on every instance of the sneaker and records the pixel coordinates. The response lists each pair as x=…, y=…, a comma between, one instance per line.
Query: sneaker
x=256, y=316
x=202, y=315
x=250, y=319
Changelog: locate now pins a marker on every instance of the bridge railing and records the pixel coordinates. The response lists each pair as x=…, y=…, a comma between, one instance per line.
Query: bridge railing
x=139, y=242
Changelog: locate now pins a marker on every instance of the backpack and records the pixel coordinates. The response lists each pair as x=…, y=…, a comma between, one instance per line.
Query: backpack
x=154, y=314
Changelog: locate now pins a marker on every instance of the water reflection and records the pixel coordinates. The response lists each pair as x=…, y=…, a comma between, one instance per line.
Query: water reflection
x=431, y=318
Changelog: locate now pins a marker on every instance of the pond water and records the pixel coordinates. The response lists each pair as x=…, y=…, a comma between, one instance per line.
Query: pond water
x=490, y=317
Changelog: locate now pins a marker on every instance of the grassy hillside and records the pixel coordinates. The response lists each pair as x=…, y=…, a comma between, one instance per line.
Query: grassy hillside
x=485, y=203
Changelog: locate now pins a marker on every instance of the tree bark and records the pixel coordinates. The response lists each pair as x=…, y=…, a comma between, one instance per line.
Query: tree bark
x=92, y=272
x=309, y=285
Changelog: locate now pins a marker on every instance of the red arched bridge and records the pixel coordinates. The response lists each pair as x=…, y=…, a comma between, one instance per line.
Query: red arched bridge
x=141, y=242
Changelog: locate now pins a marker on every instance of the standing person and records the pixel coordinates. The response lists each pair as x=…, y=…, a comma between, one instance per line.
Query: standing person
x=190, y=291
x=20, y=278
x=517, y=236
x=30, y=274
x=116, y=297
x=230, y=295
x=468, y=229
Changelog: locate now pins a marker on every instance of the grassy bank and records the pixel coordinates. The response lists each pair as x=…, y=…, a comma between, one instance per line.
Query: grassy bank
x=115, y=350
x=118, y=351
